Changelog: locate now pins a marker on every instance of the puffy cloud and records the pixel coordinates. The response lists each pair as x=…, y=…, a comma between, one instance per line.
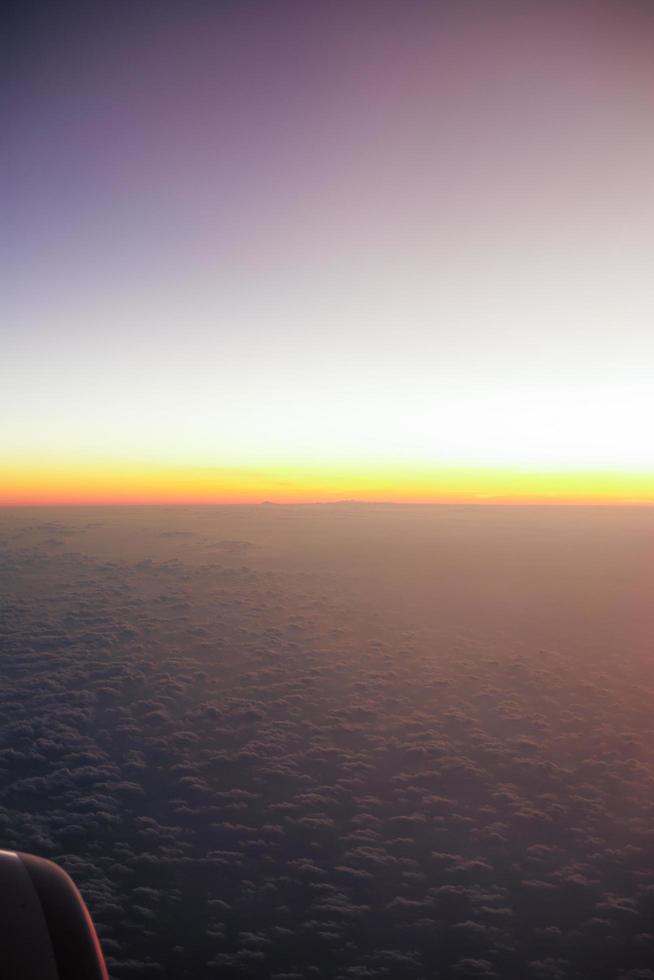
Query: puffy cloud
x=246, y=777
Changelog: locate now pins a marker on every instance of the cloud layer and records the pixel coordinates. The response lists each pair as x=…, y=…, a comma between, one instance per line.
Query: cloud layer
x=251, y=773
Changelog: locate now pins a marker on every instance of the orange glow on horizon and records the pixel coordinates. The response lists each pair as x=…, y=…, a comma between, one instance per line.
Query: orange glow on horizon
x=42, y=485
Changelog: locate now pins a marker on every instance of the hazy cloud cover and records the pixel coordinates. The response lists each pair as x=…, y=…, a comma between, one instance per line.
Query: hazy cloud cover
x=261, y=760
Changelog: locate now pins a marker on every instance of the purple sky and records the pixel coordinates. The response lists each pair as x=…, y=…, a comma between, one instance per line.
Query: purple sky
x=390, y=231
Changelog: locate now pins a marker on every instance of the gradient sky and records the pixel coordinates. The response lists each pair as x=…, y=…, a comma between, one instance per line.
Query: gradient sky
x=388, y=250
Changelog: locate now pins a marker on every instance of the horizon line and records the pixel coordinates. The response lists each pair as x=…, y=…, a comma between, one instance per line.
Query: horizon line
x=485, y=503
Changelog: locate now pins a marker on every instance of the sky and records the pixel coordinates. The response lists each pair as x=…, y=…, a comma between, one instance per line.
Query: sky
x=389, y=250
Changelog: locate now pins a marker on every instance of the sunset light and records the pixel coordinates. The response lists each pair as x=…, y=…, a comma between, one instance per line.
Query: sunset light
x=298, y=257
x=327, y=490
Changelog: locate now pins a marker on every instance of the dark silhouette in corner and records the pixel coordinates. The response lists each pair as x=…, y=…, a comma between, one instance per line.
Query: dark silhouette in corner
x=46, y=932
